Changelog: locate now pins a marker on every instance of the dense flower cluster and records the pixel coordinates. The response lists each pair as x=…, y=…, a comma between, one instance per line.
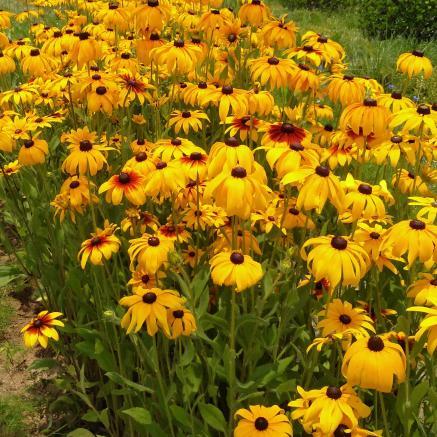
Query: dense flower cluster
x=219, y=143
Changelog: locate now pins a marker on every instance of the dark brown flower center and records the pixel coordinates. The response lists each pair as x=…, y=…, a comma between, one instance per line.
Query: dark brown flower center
x=145, y=279
x=195, y=156
x=125, y=56
x=417, y=53
x=176, y=142
x=141, y=142
x=339, y=243
x=153, y=241
x=375, y=343
x=178, y=314
x=154, y=36
x=101, y=90
x=322, y=39
x=153, y=3
x=149, y=297
x=329, y=127
x=179, y=43
x=28, y=144
x=186, y=114
x=396, y=95
x=297, y=147
x=293, y=211
x=340, y=431
x=369, y=102
x=161, y=165
x=202, y=85
x=273, y=61
x=232, y=37
x=261, y=423
x=236, y=258
x=322, y=171
x=85, y=146
x=227, y=89
x=396, y=139
x=239, y=172
x=123, y=178
x=417, y=225
x=345, y=319
x=95, y=241
x=348, y=77
x=232, y=142
x=74, y=184
x=38, y=323
x=333, y=392
x=84, y=36
x=34, y=52
x=142, y=156
x=365, y=189
x=307, y=48
x=287, y=128
x=374, y=235
x=423, y=110
x=434, y=282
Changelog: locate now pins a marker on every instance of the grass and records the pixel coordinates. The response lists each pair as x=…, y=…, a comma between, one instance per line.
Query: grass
x=365, y=56
x=13, y=413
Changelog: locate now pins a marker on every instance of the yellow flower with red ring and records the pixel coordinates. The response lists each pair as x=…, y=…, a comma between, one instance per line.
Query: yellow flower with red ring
x=41, y=328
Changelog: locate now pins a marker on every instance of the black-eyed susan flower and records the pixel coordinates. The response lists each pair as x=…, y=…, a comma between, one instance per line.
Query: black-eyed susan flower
x=428, y=210
x=409, y=183
x=307, y=55
x=254, y=12
x=238, y=191
x=328, y=407
x=392, y=149
x=373, y=363
x=129, y=183
x=179, y=56
x=229, y=153
x=78, y=190
x=260, y=101
x=143, y=280
x=283, y=134
x=102, y=245
x=245, y=126
x=316, y=184
x=366, y=201
x=424, y=289
x=102, y=98
x=429, y=323
x=180, y=321
x=279, y=33
x=234, y=269
x=271, y=70
x=227, y=98
x=365, y=118
x=346, y=89
x=187, y=120
x=336, y=258
x=414, y=237
x=304, y=79
x=339, y=317
x=149, y=252
x=260, y=421
x=33, y=151
x=41, y=328
x=10, y=168
x=174, y=232
x=167, y=179
x=395, y=101
x=244, y=241
x=413, y=63
x=7, y=64
x=132, y=87
x=332, y=49
x=38, y=64
x=420, y=119
x=86, y=154
x=174, y=148
x=85, y=50
x=148, y=306
x=231, y=33
x=151, y=15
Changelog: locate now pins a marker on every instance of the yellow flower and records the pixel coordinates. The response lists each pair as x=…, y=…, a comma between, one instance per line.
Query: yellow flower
x=180, y=321
x=346, y=89
x=186, y=120
x=149, y=252
x=38, y=64
x=424, y=290
x=413, y=63
x=428, y=211
x=365, y=118
x=101, y=246
x=336, y=258
x=429, y=323
x=272, y=70
x=41, y=328
x=395, y=102
x=149, y=306
x=416, y=119
x=278, y=33
x=33, y=151
x=85, y=50
x=414, y=237
x=254, y=12
x=340, y=316
x=235, y=269
x=373, y=362
x=260, y=421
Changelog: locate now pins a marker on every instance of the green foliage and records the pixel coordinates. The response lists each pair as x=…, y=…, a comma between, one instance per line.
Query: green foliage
x=13, y=414
x=318, y=4
x=388, y=18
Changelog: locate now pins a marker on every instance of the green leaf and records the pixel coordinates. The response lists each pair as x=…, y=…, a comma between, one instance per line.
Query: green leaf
x=139, y=415
x=80, y=432
x=418, y=394
x=212, y=416
x=180, y=415
x=45, y=363
x=119, y=379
